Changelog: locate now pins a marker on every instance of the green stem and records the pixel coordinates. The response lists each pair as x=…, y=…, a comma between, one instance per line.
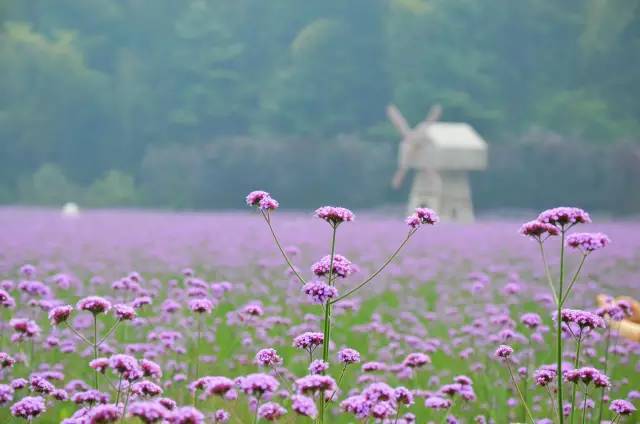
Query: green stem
x=573, y=280
x=576, y=365
x=95, y=346
x=606, y=363
x=267, y=218
x=80, y=336
x=547, y=272
x=559, y=332
x=327, y=321
x=119, y=388
x=524, y=402
x=338, y=385
x=111, y=330
x=379, y=270
x=584, y=404
x=255, y=417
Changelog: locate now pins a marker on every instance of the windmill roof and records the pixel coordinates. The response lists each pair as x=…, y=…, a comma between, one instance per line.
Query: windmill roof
x=456, y=135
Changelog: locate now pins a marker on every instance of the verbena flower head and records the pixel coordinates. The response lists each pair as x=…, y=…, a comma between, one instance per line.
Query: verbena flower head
x=271, y=411
x=334, y=215
x=503, y=352
x=99, y=364
x=124, y=312
x=315, y=383
x=213, y=385
x=186, y=415
x=422, y=216
x=148, y=411
x=6, y=360
x=60, y=314
x=348, y=356
x=538, y=230
x=531, y=320
x=303, y=405
x=28, y=407
x=622, y=407
x=318, y=366
x=342, y=267
x=94, y=304
x=416, y=360
x=257, y=384
x=268, y=204
x=221, y=416
x=437, y=402
x=201, y=306
x=544, y=376
x=319, y=291
x=583, y=319
x=357, y=405
x=268, y=357
x=587, y=242
x=309, y=340
x=104, y=414
x=564, y=216
x=587, y=375
x=254, y=198
x=402, y=395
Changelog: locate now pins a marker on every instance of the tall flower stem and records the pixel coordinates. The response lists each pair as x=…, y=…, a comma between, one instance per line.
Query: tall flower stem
x=95, y=347
x=379, y=270
x=327, y=321
x=255, y=417
x=573, y=280
x=584, y=404
x=547, y=272
x=338, y=385
x=515, y=384
x=559, y=331
x=606, y=364
x=199, y=336
x=576, y=365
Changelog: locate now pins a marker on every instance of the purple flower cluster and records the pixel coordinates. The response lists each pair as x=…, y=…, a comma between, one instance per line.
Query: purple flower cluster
x=422, y=216
x=342, y=267
x=587, y=242
x=334, y=215
x=319, y=291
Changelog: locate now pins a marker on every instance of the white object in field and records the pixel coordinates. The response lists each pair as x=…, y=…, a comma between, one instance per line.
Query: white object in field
x=70, y=209
x=441, y=153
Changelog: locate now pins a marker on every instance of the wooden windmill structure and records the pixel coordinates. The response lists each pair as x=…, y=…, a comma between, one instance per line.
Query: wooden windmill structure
x=442, y=154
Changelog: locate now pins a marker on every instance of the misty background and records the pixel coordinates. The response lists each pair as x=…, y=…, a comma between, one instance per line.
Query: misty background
x=190, y=104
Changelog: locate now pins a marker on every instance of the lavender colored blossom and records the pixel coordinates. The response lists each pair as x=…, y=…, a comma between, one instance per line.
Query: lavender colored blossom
x=538, y=230
x=342, y=267
x=28, y=407
x=201, y=306
x=304, y=406
x=318, y=366
x=257, y=384
x=148, y=411
x=503, y=352
x=587, y=242
x=319, y=292
x=268, y=357
x=564, y=216
x=422, y=216
x=348, y=356
x=60, y=314
x=94, y=304
x=271, y=411
x=622, y=407
x=124, y=312
x=334, y=215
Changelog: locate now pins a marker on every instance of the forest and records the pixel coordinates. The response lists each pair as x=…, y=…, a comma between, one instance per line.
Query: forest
x=160, y=102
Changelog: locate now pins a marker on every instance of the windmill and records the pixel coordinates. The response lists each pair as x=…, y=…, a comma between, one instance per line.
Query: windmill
x=442, y=154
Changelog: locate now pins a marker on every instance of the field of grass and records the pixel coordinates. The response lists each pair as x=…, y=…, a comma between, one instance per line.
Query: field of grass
x=456, y=293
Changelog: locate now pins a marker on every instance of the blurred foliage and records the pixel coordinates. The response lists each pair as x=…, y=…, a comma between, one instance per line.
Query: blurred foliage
x=95, y=87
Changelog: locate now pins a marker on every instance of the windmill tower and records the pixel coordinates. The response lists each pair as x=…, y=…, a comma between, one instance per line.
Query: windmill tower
x=442, y=154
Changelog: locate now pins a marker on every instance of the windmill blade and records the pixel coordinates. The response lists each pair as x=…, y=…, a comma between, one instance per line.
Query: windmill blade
x=434, y=114
x=398, y=120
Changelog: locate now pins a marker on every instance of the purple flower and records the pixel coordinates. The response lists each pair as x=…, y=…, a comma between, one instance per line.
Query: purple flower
x=150, y=368
x=319, y=291
x=221, y=416
x=538, y=230
x=315, y=383
x=342, y=267
x=60, y=314
x=268, y=357
x=334, y=215
x=6, y=394
x=94, y=304
x=582, y=319
x=422, y=216
x=254, y=198
x=357, y=405
x=104, y=414
x=318, y=366
x=308, y=340
x=403, y=395
x=544, y=376
x=6, y=360
x=201, y=306
x=531, y=320
x=257, y=384
x=503, y=352
x=563, y=216
x=437, y=402
x=271, y=411
x=124, y=312
x=587, y=242
x=416, y=360
x=148, y=412
x=587, y=375
x=28, y=407
x=268, y=204
x=348, y=356
x=146, y=388
x=304, y=406
x=213, y=385
x=622, y=407
x=186, y=415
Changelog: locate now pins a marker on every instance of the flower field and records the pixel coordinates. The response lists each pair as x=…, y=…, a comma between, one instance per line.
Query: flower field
x=190, y=318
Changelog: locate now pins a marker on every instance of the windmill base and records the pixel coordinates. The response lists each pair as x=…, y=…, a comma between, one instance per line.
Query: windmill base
x=446, y=192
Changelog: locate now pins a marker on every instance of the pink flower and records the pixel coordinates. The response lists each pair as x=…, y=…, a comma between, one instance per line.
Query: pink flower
x=587, y=242
x=254, y=198
x=94, y=304
x=334, y=215
x=422, y=216
x=60, y=314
